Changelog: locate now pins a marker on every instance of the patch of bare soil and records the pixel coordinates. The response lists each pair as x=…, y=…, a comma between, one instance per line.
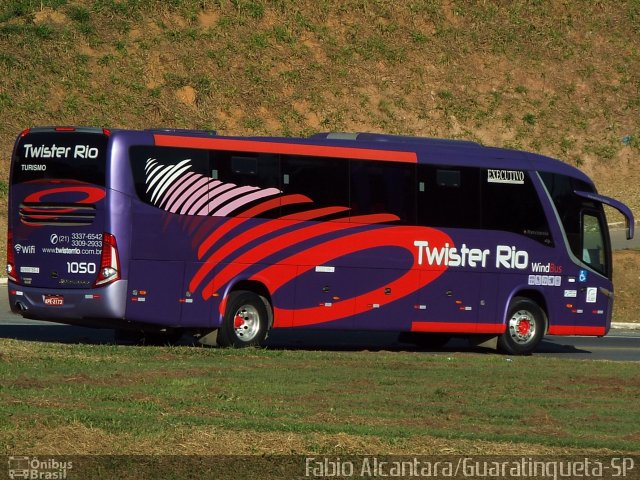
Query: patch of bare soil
x=208, y=19
x=47, y=14
x=187, y=95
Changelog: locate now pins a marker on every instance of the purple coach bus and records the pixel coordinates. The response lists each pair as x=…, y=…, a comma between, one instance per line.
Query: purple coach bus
x=165, y=231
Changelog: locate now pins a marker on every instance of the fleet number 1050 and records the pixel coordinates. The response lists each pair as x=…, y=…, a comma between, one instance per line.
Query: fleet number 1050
x=81, y=267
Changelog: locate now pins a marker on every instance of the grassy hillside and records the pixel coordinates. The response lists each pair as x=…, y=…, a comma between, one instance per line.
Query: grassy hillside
x=560, y=78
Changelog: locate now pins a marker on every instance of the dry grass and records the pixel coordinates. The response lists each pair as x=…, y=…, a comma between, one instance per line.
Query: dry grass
x=79, y=439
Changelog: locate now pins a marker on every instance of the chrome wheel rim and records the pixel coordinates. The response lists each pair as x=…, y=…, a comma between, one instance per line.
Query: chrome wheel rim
x=246, y=323
x=522, y=326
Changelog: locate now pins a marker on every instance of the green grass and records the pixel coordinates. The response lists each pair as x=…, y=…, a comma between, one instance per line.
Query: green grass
x=384, y=399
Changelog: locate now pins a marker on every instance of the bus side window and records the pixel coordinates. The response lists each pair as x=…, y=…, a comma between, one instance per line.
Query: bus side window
x=448, y=197
x=514, y=207
x=324, y=180
x=250, y=174
x=383, y=187
x=158, y=170
x=245, y=169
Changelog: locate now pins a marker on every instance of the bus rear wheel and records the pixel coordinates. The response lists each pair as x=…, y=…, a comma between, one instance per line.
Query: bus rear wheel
x=246, y=320
x=525, y=327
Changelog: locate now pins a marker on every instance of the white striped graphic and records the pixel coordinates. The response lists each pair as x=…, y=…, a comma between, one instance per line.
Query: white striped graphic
x=176, y=189
x=227, y=209
x=164, y=177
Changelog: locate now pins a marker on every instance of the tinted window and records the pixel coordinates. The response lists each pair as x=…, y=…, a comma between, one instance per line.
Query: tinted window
x=247, y=179
x=61, y=156
x=259, y=170
x=448, y=197
x=169, y=178
x=383, y=187
x=569, y=206
x=467, y=197
x=324, y=180
x=511, y=203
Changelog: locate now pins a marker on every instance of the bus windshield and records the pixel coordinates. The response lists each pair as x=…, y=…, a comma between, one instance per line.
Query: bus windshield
x=593, y=242
x=582, y=219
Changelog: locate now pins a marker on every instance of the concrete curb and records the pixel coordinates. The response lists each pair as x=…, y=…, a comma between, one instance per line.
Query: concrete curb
x=625, y=326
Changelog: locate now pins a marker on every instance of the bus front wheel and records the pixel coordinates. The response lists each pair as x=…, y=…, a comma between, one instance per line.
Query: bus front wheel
x=246, y=320
x=525, y=327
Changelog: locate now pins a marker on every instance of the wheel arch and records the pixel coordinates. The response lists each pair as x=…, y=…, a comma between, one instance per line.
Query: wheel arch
x=259, y=289
x=535, y=296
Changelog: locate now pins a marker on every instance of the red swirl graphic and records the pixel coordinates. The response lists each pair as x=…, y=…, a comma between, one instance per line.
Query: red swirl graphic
x=93, y=194
x=276, y=276
x=409, y=282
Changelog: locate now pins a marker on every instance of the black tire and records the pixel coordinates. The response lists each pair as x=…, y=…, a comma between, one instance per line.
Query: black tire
x=431, y=341
x=526, y=324
x=246, y=320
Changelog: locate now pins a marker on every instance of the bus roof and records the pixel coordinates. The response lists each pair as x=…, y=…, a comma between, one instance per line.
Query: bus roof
x=459, y=152
x=428, y=150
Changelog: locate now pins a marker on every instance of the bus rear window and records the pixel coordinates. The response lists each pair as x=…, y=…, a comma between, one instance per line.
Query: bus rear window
x=60, y=156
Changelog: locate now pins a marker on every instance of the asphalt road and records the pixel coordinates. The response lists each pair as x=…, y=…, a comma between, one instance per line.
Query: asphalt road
x=619, y=240
x=619, y=345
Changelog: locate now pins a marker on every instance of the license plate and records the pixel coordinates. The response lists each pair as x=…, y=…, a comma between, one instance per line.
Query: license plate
x=54, y=300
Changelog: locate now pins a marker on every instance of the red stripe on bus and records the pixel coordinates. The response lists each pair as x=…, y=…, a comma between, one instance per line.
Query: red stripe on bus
x=255, y=146
x=218, y=233
x=370, y=219
x=232, y=246
x=274, y=203
x=316, y=213
x=576, y=330
x=452, y=327
x=252, y=212
x=93, y=194
x=260, y=252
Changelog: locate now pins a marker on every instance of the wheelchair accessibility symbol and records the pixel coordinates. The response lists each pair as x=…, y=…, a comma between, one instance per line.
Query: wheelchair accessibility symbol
x=582, y=277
